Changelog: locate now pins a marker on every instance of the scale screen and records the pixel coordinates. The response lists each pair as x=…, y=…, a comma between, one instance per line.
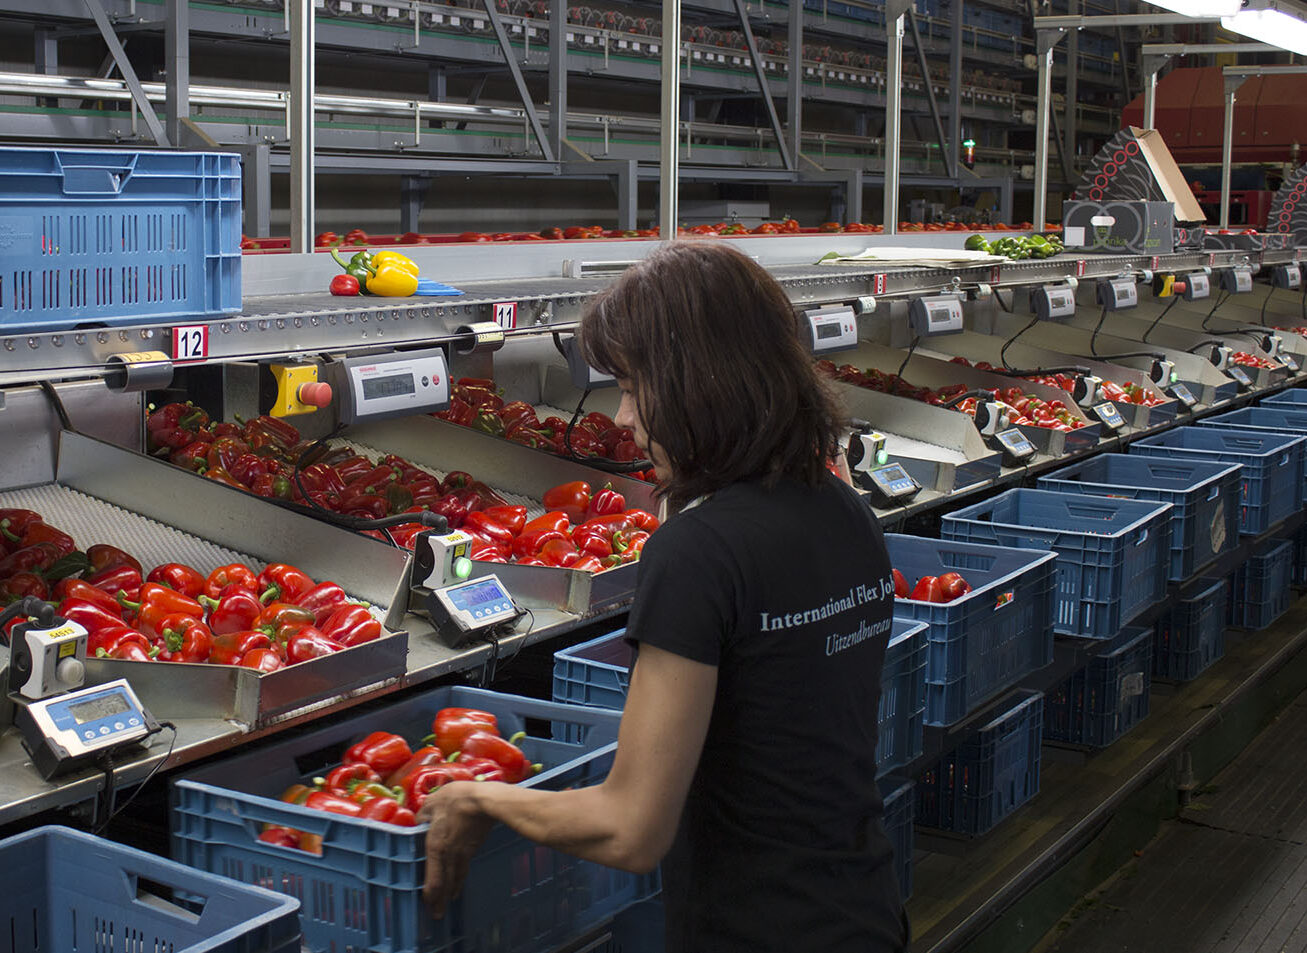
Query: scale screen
x=1109, y=415
x=1237, y=281
x=477, y=604
x=832, y=329
x=893, y=482
x=941, y=315
x=1015, y=443
x=1197, y=287
x=100, y=707
x=478, y=595
x=376, y=388
x=1240, y=376
x=1183, y=394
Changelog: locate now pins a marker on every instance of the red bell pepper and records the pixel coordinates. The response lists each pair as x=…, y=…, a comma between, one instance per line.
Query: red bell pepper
x=283, y=583
x=224, y=451
x=519, y=412
x=182, y=578
x=453, y=508
x=455, y=480
x=102, y=556
x=505, y=753
x=90, y=616
x=322, y=600
x=606, y=502
x=588, y=563
x=237, y=610
x=101, y=641
x=424, y=780
x=248, y=467
x=283, y=433
x=309, y=643
x=927, y=589
x=953, y=586
x=23, y=584
x=383, y=751
x=14, y=522
x=642, y=519
x=533, y=540
x=559, y=552
x=160, y=597
x=232, y=574
x=351, y=624
x=388, y=811
x=480, y=524
x=219, y=475
x=483, y=550
x=420, y=758
x=452, y=725
x=186, y=638
x=131, y=652
x=277, y=618
x=122, y=579
x=280, y=836
x=332, y=803
x=80, y=589
x=319, y=478
x=483, y=769
x=34, y=558
x=630, y=544
x=596, y=422
x=230, y=647
x=41, y=533
x=486, y=497
x=555, y=520
x=342, y=780
x=900, y=585
x=512, y=518
x=534, y=439
x=194, y=456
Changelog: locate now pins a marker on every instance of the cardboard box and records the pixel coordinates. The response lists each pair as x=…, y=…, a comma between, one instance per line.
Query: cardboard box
x=1119, y=228
x=1136, y=165
x=1189, y=237
x=1258, y=241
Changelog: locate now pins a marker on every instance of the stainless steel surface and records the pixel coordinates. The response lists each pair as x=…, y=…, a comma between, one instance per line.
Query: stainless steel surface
x=128, y=72
x=894, y=15
x=669, y=149
x=30, y=426
x=1232, y=85
x=1044, y=99
x=300, y=126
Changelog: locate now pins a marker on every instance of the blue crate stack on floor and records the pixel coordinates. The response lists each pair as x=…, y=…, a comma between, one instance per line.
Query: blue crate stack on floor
x=1260, y=589
x=1102, y=701
x=1190, y=635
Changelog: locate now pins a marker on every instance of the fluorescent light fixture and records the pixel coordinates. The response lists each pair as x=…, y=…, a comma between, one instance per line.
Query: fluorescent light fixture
x=1201, y=8
x=1270, y=21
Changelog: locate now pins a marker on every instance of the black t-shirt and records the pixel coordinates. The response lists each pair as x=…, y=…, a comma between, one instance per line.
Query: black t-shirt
x=788, y=592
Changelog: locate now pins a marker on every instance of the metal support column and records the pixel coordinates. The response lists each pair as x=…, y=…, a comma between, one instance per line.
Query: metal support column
x=1072, y=94
x=955, y=92
x=177, y=56
x=1045, y=40
x=46, y=59
x=669, y=156
x=256, y=189
x=930, y=90
x=1232, y=84
x=303, y=54
x=142, y=102
x=510, y=57
x=437, y=88
x=626, y=182
x=1151, y=66
x=794, y=104
x=557, y=75
x=1005, y=201
x=895, y=11
x=763, y=86
x=412, y=196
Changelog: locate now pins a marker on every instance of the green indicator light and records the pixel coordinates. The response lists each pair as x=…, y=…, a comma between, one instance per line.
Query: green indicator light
x=882, y=457
x=462, y=567
x=1175, y=378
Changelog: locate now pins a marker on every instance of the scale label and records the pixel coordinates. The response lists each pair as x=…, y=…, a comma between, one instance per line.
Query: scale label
x=506, y=314
x=190, y=342
x=878, y=284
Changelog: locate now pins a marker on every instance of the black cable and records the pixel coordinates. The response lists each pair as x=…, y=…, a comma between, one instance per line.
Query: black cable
x=1093, y=337
x=64, y=420
x=1219, y=300
x=1265, y=302
x=597, y=463
x=999, y=298
x=1303, y=301
x=491, y=668
x=1032, y=371
x=898, y=375
x=1002, y=352
x=1158, y=320
x=108, y=797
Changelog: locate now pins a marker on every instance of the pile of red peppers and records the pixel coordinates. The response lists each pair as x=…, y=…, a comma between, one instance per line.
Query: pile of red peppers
x=380, y=778
x=174, y=613
x=475, y=402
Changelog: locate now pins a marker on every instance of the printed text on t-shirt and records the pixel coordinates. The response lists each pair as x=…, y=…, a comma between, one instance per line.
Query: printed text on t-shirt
x=857, y=596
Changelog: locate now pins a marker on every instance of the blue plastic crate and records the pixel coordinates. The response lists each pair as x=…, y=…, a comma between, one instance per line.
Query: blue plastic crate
x=896, y=795
x=1294, y=397
x=1259, y=590
x=364, y=891
x=1113, y=556
x=66, y=890
x=103, y=237
x=984, y=642
x=1204, y=498
x=598, y=673
x=1299, y=574
x=994, y=772
x=1282, y=419
x=1272, y=479
x=1103, y=700
x=1191, y=636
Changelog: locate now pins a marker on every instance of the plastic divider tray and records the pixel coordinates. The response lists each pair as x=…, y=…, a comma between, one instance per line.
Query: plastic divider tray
x=364, y=891
x=1112, y=555
x=1259, y=589
x=985, y=641
x=1204, y=499
x=1103, y=700
x=110, y=237
x=66, y=890
x=1191, y=636
x=1273, y=474
x=598, y=672
x=994, y=772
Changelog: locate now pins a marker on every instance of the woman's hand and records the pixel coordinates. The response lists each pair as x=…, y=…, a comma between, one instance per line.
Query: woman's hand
x=458, y=826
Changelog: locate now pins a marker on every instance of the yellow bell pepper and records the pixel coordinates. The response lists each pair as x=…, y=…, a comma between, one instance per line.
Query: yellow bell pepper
x=393, y=257
x=391, y=280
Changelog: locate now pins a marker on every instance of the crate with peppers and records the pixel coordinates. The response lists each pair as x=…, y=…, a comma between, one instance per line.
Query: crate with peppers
x=264, y=620
x=583, y=528
x=381, y=778
x=477, y=403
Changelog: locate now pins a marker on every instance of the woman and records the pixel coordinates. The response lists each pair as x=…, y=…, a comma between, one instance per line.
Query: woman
x=747, y=753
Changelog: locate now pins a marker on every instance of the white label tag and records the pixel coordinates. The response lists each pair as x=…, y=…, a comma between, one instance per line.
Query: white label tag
x=1073, y=235
x=1132, y=686
x=190, y=343
x=506, y=314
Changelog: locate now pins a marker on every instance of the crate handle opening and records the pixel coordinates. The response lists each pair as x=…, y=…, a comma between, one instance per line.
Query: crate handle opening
x=1214, y=492
x=158, y=896
x=94, y=180
x=1004, y=598
x=1143, y=537
x=1284, y=459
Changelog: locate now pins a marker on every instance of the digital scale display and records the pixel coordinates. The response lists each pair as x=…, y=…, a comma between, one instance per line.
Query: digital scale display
x=377, y=388
x=1288, y=276
x=1239, y=376
x=1182, y=393
x=1237, y=280
x=1109, y=415
x=1015, y=443
x=99, y=707
x=832, y=329
x=892, y=482
x=941, y=315
x=827, y=331
x=1118, y=293
x=480, y=603
x=480, y=595
x=1289, y=362
x=1054, y=302
x=1196, y=286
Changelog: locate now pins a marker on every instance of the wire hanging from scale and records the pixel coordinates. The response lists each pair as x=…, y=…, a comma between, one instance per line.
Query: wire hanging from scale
x=1002, y=352
x=1158, y=320
x=1219, y=300
x=898, y=375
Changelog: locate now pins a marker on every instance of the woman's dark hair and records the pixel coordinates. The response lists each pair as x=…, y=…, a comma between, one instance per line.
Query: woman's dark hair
x=726, y=388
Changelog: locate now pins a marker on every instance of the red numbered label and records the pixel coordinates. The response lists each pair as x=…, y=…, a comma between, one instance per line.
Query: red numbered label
x=1080, y=267
x=1156, y=262
x=506, y=314
x=994, y=275
x=878, y=284
x=190, y=343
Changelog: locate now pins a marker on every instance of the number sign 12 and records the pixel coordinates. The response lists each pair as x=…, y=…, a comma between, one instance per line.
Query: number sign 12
x=190, y=342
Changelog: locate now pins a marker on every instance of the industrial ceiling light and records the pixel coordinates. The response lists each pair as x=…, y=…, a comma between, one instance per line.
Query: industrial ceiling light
x=1271, y=21
x=1201, y=8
